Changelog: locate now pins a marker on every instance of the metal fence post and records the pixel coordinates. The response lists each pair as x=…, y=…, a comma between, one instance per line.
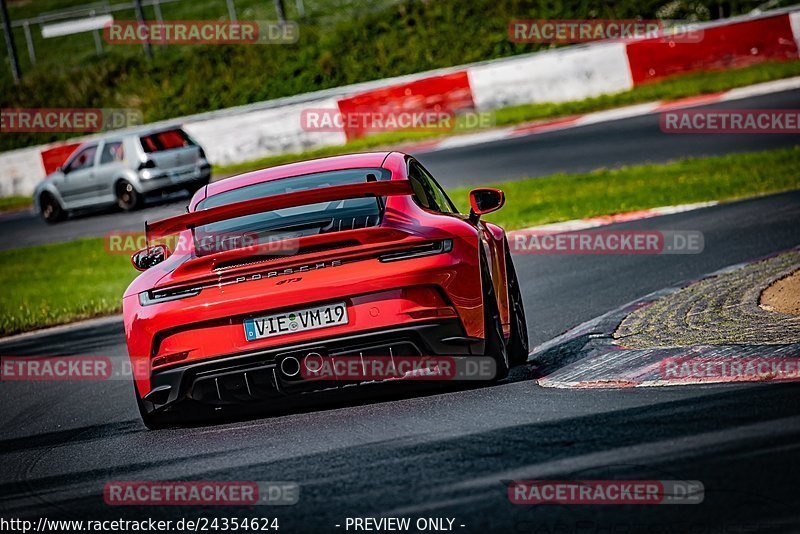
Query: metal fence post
x=29, y=42
x=12, y=48
x=231, y=10
x=98, y=42
x=279, y=9
x=140, y=17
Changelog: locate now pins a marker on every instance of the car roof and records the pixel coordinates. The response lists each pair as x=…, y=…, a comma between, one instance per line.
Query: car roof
x=333, y=163
x=149, y=130
x=119, y=136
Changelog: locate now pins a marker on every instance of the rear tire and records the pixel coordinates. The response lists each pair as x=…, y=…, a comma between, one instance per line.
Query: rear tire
x=128, y=199
x=518, y=346
x=153, y=421
x=50, y=210
x=495, y=345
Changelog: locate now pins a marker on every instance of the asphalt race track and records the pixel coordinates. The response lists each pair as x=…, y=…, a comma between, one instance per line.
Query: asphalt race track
x=612, y=144
x=631, y=141
x=432, y=453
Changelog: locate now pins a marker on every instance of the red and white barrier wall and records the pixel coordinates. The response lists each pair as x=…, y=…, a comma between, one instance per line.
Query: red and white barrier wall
x=564, y=74
x=579, y=72
x=444, y=92
x=243, y=137
x=20, y=171
x=573, y=73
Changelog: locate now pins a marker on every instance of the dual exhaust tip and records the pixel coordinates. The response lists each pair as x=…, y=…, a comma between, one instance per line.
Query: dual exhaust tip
x=290, y=365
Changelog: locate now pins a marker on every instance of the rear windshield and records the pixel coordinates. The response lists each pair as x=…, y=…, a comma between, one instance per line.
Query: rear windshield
x=167, y=140
x=297, y=221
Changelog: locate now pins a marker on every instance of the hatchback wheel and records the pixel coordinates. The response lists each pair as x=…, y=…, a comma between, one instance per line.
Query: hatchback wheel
x=50, y=210
x=196, y=186
x=128, y=198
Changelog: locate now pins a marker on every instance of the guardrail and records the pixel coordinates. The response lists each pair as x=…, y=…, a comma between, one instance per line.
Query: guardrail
x=570, y=73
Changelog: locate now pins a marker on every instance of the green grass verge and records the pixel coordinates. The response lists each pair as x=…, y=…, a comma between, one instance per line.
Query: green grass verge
x=562, y=197
x=700, y=83
x=54, y=284
x=14, y=203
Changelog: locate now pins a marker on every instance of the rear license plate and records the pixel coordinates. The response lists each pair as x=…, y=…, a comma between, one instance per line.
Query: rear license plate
x=295, y=321
x=176, y=177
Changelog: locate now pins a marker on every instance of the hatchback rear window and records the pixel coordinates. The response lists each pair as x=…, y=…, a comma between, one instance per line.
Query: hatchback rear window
x=167, y=140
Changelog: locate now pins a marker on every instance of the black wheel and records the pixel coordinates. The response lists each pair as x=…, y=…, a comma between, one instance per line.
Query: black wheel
x=518, y=346
x=153, y=421
x=495, y=344
x=50, y=210
x=128, y=199
x=196, y=186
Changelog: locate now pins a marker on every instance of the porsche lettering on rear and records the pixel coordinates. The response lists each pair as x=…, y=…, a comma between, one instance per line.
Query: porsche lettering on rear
x=288, y=271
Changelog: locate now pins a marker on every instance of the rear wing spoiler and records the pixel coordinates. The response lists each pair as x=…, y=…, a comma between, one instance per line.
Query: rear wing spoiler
x=188, y=221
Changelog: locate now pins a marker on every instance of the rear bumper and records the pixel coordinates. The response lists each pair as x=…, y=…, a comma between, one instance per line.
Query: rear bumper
x=198, y=174
x=259, y=376
x=380, y=297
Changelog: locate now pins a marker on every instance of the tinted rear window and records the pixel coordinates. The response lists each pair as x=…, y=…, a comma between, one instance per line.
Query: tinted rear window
x=167, y=140
x=297, y=221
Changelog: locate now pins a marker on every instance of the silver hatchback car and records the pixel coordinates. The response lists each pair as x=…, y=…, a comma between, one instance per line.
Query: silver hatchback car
x=122, y=170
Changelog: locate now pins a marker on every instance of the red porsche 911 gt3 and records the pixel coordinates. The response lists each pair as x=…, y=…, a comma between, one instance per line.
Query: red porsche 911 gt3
x=355, y=254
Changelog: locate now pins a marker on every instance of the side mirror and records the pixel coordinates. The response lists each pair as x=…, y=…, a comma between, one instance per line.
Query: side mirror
x=148, y=257
x=485, y=200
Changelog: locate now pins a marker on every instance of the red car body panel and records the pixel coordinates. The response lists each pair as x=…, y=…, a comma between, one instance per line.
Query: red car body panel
x=325, y=268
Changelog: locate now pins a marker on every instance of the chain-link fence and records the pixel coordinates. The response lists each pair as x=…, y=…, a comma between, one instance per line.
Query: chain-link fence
x=46, y=36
